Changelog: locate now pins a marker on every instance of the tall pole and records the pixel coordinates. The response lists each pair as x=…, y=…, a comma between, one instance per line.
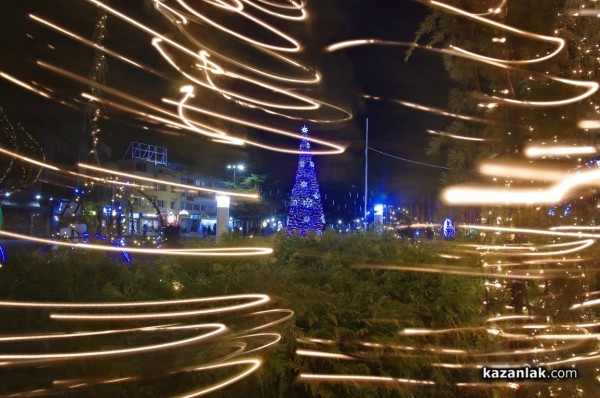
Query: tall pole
x=366, y=170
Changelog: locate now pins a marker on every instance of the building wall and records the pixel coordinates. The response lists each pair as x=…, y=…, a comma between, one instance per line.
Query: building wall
x=179, y=206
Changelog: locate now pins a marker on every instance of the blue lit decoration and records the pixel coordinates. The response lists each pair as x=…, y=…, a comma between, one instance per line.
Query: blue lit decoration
x=2, y=255
x=306, y=210
x=448, y=229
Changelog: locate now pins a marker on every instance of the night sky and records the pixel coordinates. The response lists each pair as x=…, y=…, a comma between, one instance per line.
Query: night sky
x=347, y=75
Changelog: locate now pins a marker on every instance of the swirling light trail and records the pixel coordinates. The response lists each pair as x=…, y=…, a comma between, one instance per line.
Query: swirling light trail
x=440, y=269
x=493, y=195
x=295, y=6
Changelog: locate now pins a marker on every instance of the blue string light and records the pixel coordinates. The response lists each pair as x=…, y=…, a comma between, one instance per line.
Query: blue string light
x=2, y=255
x=306, y=210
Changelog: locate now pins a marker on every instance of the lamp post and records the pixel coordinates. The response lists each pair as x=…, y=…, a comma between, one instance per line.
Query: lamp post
x=235, y=167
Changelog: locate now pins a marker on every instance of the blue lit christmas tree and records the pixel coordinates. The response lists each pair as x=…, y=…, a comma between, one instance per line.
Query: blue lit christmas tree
x=306, y=211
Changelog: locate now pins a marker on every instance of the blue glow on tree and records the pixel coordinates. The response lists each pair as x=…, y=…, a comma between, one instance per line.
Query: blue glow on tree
x=306, y=210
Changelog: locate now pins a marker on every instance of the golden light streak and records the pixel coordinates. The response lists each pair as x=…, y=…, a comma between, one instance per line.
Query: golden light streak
x=458, y=137
x=529, y=231
x=320, y=354
x=295, y=6
x=534, y=151
x=437, y=269
x=590, y=86
x=290, y=315
x=276, y=338
x=533, y=250
x=427, y=332
x=182, y=19
x=495, y=10
x=583, y=12
x=589, y=124
x=575, y=228
x=524, y=171
x=437, y=111
x=26, y=159
x=218, y=329
x=361, y=378
x=166, y=182
x=503, y=318
x=337, y=148
x=254, y=364
x=26, y=86
x=189, y=91
x=214, y=68
x=294, y=45
x=212, y=252
x=314, y=78
x=493, y=195
x=89, y=43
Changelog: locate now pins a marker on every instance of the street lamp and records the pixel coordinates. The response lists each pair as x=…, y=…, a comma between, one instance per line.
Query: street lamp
x=235, y=167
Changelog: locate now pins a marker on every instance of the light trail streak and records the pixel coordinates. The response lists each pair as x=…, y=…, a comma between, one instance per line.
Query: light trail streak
x=583, y=12
x=560, y=43
x=362, y=378
x=575, y=228
x=336, y=149
x=67, y=172
x=24, y=85
x=541, y=151
x=529, y=231
x=253, y=365
x=294, y=46
x=290, y=315
x=218, y=329
x=524, y=171
x=436, y=269
x=320, y=354
x=590, y=86
x=589, y=124
x=458, y=137
x=295, y=6
x=89, y=43
x=314, y=78
x=533, y=250
x=166, y=182
x=212, y=68
x=493, y=195
x=436, y=111
x=213, y=252
x=276, y=338
x=495, y=10
x=27, y=159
